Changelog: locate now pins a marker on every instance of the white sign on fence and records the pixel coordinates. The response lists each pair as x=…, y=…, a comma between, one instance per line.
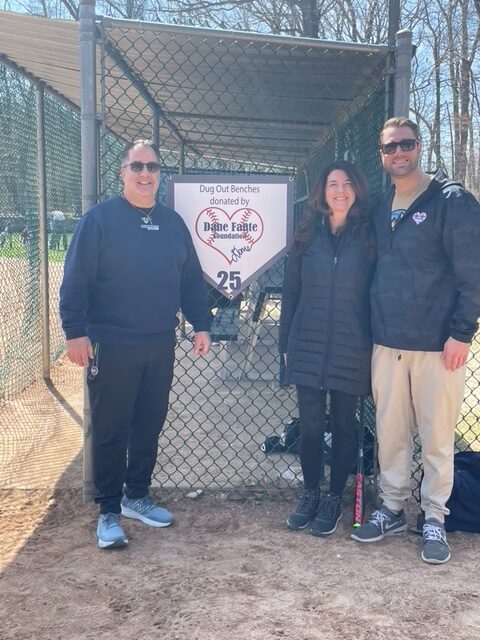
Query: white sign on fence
x=239, y=225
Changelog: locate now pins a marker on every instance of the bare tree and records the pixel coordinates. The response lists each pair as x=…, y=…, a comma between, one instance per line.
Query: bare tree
x=444, y=84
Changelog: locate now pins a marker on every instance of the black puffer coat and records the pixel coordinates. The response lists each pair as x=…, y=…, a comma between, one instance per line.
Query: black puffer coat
x=325, y=319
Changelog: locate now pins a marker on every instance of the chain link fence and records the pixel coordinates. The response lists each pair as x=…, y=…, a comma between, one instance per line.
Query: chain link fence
x=175, y=86
x=31, y=420
x=210, y=117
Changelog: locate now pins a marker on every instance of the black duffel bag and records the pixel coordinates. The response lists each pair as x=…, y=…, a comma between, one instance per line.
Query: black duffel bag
x=464, y=501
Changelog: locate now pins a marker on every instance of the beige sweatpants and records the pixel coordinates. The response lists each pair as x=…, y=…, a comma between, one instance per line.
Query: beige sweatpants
x=413, y=389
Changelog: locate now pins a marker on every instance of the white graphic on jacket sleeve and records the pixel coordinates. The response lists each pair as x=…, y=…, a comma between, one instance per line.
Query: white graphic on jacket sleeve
x=419, y=217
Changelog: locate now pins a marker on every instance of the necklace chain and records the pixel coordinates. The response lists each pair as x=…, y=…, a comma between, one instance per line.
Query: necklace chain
x=146, y=216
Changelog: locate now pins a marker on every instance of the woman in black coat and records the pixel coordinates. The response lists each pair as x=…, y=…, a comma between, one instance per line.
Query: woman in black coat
x=325, y=333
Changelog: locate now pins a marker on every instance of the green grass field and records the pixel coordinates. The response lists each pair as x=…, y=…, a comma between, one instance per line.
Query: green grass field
x=14, y=247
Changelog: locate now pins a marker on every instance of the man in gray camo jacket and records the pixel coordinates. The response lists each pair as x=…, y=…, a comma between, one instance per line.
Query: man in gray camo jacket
x=425, y=305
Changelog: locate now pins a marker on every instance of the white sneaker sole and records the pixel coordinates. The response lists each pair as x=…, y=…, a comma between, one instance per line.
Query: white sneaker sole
x=297, y=528
x=130, y=513
x=390, y=532
x=326, y=533
x=435, y=560
x=112, y=544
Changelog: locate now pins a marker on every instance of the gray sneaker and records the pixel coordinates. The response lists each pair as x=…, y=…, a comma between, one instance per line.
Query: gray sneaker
x=435, y=549
x=381, y=523
x=145, y=510
x=110, y=534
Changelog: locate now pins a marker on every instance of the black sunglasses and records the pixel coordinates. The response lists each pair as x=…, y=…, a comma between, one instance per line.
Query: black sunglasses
x=137, y=167
x=408, y=144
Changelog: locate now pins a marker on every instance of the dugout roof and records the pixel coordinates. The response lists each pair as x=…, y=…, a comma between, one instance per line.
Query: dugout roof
x=249, y=92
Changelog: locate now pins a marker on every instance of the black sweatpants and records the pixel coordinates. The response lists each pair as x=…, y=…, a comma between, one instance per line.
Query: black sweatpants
x=312, y=409
x=128, y=388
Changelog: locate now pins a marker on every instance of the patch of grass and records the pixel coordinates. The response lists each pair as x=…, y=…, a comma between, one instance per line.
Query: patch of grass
x=17, y=249
x=13, y=247
x=56, y=255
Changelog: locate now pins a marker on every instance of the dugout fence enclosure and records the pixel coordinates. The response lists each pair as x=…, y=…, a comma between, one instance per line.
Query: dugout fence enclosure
x=215, y=102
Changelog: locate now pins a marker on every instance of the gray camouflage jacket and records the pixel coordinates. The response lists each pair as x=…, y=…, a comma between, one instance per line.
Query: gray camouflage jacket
x=427, y=281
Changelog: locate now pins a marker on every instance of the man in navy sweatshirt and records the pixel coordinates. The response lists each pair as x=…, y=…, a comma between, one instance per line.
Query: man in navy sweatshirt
x=130, y=267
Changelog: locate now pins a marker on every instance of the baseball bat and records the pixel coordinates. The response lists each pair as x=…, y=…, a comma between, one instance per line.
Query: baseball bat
x=359, y=493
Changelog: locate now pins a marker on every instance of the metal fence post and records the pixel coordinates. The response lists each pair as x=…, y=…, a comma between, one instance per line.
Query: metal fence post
x=156, y=128
x=43, y=231
x=88, y=121
x=403, y=64
x=181, y=163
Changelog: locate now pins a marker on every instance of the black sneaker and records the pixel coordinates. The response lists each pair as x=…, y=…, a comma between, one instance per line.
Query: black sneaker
x=381, y=523
x=306, y=510
x=435, y=549
x=328, y=514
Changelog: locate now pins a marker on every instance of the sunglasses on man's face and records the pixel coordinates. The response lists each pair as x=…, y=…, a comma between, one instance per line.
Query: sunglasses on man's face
x=408, y=144
x=137, y=167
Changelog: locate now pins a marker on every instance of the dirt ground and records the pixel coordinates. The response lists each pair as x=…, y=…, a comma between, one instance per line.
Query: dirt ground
x=225, y=569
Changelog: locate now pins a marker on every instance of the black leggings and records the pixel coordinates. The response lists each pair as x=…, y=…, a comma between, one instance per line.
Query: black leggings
x=312, y=408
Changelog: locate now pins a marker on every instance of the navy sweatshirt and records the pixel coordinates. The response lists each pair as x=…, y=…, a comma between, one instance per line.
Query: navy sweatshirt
x=125, y=280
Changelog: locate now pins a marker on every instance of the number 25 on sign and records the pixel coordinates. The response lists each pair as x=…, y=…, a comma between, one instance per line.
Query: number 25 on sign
x=233, y=279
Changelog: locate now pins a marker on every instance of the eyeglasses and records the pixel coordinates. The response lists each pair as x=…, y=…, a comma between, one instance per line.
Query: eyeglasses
x=408, y=144
x=137, y=167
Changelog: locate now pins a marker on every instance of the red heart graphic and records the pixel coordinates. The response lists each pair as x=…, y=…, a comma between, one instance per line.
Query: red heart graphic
x=229, y=235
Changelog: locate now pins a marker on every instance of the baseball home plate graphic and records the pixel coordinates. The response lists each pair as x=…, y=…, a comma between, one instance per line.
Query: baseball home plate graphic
x=230, y=235
x=240, y=226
